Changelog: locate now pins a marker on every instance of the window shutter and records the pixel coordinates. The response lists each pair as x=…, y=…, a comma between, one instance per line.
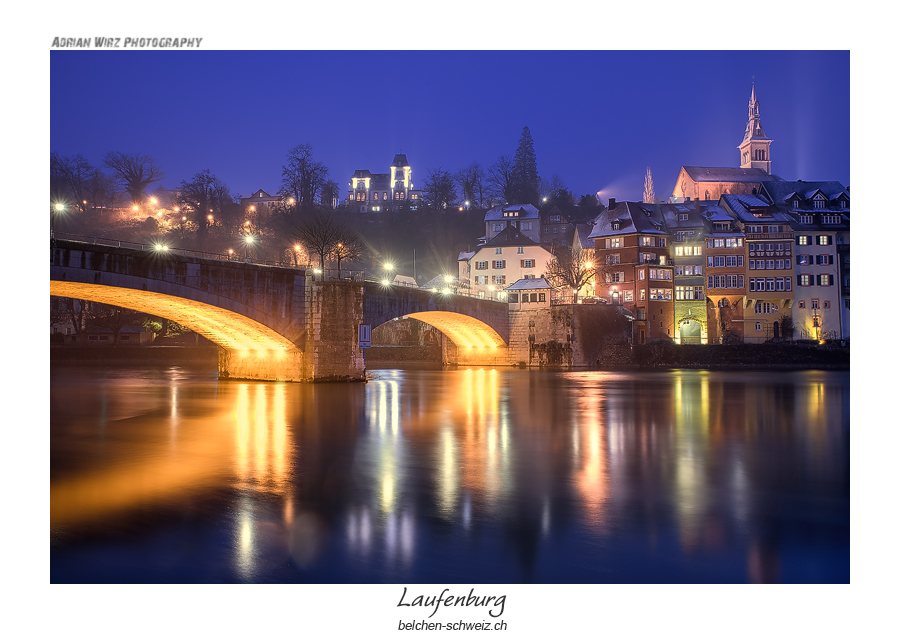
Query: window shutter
x=831, y=280
x=797, y=240
x=522, y=263
x=798, y=280
x=831, y=259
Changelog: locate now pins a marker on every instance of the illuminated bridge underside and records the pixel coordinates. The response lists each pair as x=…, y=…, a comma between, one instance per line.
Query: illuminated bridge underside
x=466, y=332
x=228, y=329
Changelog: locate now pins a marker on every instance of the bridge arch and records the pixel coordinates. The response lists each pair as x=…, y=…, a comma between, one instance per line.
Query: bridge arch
x=468, y=333
x=226, y=328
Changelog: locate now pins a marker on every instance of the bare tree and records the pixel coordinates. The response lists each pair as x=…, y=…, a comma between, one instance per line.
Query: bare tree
x=134, y=171
x=77, y=175
x=649, y=194
x=349, y=247
x=552, y=188
x=318, y=233
x=500, y=180
x=471, y=183
x=302, y=178
x=203, y=196
x=572, y=268
x=440, y=190
x=69, y=311
x=103, y=192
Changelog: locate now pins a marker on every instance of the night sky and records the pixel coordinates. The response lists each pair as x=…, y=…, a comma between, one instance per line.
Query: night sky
x=598, y=118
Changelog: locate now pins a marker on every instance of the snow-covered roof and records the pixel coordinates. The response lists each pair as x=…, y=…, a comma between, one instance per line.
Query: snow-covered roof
x=524, y=211
x=538, y=283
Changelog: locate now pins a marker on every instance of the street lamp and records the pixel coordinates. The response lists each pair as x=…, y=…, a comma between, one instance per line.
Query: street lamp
x=58, y=208
x=248, y=240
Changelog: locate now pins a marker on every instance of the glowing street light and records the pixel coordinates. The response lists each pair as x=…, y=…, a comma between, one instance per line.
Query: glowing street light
x=58, y=208
x=248, y=240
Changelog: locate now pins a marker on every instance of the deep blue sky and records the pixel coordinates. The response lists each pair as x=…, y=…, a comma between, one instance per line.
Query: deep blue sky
x=598, y=118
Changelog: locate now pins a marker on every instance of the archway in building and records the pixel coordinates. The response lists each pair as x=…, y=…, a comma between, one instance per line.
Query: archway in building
x=690, y=331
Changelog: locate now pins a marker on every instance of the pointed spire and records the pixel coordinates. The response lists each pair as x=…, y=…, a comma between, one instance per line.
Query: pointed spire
x=754, y=127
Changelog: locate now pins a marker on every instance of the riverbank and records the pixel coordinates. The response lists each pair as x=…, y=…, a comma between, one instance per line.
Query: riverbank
x=653, y=356
x=737, y=357
x=130, y=355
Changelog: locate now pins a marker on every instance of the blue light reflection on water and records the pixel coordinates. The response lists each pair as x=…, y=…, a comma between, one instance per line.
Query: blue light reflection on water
x=474, y=475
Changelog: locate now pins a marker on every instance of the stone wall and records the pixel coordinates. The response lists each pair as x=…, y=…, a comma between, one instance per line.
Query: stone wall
x=566, y=336
x=335, y=313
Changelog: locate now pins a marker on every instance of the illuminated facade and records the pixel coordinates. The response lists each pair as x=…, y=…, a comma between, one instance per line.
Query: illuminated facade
x=725, y=276
x=768, y=238
x=820, y=217
x=632, y=247
x=375, y=193
x=506, y=258
x=687, y=231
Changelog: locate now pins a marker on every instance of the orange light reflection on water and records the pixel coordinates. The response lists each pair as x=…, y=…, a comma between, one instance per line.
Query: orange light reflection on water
x=247, y=422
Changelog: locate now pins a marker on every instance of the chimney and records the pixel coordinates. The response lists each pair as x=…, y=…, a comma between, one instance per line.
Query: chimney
x=697, y=204
x=612, y=203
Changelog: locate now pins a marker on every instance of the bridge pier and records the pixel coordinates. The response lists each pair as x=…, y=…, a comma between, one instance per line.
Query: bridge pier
x=288, y=366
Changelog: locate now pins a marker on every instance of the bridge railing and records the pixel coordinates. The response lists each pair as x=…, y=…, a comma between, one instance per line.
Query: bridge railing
x=316, y=273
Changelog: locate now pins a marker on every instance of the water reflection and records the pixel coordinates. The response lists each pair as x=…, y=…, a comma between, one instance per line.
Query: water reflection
x=481, y=475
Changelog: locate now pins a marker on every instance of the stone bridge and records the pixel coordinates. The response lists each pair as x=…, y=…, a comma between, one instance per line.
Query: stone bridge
x=271, y=323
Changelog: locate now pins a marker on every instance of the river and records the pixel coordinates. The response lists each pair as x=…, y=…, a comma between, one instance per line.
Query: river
x=472, y=475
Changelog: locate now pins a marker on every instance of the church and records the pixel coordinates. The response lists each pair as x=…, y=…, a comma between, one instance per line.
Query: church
x=711, y=183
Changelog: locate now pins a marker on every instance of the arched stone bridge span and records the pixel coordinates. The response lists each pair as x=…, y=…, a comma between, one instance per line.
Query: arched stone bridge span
x=469, y=322
x=271, y=323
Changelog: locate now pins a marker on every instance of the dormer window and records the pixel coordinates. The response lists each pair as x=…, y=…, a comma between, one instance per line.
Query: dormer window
x=796, y=204
x=806, y=219
x=616, y=225
x=819, y=203
x=843, y=204
x=682, y=216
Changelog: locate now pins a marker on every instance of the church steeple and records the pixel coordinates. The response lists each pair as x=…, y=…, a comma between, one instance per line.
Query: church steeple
x=755, y=146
